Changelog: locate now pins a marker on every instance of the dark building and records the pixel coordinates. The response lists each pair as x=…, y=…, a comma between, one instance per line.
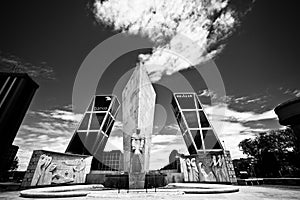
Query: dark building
x=289, y=114
x=8, y=157
x=95, y=127
x=109, y=161
x=16, y=93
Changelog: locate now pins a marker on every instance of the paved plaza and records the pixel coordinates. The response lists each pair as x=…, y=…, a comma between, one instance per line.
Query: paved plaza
x=245, y=193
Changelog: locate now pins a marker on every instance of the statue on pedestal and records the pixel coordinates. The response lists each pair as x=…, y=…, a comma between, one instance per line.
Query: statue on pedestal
x=137, y=151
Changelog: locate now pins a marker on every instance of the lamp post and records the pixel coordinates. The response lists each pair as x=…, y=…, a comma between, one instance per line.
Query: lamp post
x=121, y=173
x=154, y=182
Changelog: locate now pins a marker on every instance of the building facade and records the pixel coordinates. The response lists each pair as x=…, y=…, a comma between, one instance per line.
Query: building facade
x=208, y=161
x=95, y=127
x=110, y=161
x=16, y=93
x=196, y=129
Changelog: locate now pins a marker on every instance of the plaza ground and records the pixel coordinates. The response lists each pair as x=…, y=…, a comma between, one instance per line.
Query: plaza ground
x=264, y=192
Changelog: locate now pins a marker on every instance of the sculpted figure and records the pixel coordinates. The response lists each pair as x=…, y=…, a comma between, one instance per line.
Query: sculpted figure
x=40, y=172
x=222, y=168
x=208, y=177
x=195, y=172
x=183, y=168
x=137, y=143
x=189, y=169
x=214, y=168
x=137, y=149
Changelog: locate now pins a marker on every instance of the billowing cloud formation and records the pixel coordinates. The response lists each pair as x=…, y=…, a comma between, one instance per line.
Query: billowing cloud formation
x=185, y=33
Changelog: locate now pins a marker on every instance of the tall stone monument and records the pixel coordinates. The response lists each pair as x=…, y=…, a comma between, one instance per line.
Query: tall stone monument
x=138, y=102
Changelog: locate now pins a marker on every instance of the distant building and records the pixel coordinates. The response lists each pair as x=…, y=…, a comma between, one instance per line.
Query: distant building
x=16, y=93
x=173, y=155
x=8, y=158
x=109, y=161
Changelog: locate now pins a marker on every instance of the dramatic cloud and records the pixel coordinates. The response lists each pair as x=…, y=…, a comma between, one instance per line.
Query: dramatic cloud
x=184, y=33
x=48, y=130
x=12, y=63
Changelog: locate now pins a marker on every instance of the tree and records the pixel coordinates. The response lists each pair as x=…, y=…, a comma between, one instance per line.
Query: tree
x=275, y=152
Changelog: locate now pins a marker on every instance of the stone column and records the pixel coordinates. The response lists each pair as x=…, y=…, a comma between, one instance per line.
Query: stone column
x=138, y=102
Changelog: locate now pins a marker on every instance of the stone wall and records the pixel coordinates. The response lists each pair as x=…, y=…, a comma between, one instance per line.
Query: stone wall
x=230, y=167
x=50, y=168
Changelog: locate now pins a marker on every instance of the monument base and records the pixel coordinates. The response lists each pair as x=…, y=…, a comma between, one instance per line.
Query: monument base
x=137, y=180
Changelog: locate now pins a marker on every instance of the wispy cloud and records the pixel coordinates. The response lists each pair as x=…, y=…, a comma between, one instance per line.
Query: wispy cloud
x=48, y=130
x=12, y=63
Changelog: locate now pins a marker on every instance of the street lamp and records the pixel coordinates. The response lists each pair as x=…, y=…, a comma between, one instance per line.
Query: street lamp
x=121, y=173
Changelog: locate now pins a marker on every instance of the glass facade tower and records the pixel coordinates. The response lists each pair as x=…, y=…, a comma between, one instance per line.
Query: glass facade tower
x=196, y=129
x=94, y=129
x=16, y=92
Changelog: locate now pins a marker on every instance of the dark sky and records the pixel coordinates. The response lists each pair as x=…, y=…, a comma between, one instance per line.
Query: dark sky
x=260, y=56
x=259, y=65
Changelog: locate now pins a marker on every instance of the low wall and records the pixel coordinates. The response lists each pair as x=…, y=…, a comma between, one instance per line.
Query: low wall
x=50, y=168
x=282, y=181
x=174, y=177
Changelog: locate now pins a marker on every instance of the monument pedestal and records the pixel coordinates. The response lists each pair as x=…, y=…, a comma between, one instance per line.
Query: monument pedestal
x=137, y=180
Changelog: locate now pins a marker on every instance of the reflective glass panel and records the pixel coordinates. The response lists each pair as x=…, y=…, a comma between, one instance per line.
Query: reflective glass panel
x=103, y=142
x=115, y=107
x=99, y=152
x=102, y=103
x=175, y=106
x=96, y=121
x=189, y=144
x=197, y=138
x=90, y=140
x=76, y=144
x=91, y=105
x=82, y=136
x=82, y=150
x=191, y=119
x=210, y=140
x=110, y=127
x=84, y=123
x=186, y=101
x=107, y=122
x=181, y=123
x=203, y=120
x=198, y=104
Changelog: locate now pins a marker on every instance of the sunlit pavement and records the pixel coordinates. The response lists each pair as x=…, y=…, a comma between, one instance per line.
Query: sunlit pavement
x=246, y=192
